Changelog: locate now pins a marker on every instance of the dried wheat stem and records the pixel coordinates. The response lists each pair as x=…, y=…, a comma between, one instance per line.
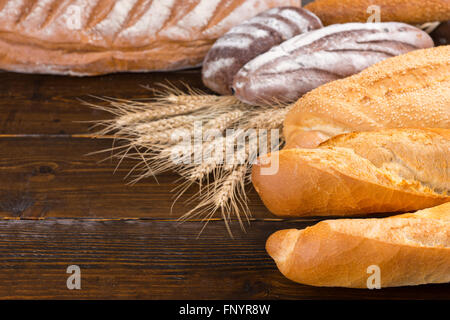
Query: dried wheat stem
x=152, y=139
x=185, y=121
x=225, y=120
x=156, y=114
x=268, y=119
x=429, y=27
x=207, y=100
x=219, y=147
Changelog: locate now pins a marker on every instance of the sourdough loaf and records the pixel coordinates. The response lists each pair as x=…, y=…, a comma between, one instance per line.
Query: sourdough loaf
x=412, y=90
x=405, y=250
x=409, y=11
x=307, y=61
x=390, y=170
x=90, y=37
x=250, y=39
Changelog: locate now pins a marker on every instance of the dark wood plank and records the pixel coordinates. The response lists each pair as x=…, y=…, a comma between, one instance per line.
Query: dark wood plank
x=52, y=177
x=43, y=104
x=157, y=260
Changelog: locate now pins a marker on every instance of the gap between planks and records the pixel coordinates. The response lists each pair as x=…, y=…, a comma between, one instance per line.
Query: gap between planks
x=157, y=220
x=57, y=136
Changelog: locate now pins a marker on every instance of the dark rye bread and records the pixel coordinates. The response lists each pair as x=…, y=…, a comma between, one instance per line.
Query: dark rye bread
x=305, y=62
x=250, y=39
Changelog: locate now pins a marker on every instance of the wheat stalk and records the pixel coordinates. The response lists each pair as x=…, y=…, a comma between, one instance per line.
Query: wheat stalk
x=150, y=133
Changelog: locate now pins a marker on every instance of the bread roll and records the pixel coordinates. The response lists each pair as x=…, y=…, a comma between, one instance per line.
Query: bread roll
x=391, y=170
x=412, y=90
x=250, y=39
x=303, y=63
x=409, y=11
x=90, y=37
x=409, y=249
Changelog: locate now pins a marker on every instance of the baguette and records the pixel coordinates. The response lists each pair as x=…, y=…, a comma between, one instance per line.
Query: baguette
x=409, y=249
x=91, y=37
x=408, y=11
x=390, y=170
x=411, y=90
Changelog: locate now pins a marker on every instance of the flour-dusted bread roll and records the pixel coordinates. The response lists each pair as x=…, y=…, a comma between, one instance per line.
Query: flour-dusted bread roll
x=412, y=90
x=250, y=39
x=390, y=170
x=404, y=250
x=90, y=37
x=409, y=11
x=303, y=63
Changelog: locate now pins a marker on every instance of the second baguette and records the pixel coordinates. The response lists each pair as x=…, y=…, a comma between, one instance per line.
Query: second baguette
x=391, y=170
x=409, y=249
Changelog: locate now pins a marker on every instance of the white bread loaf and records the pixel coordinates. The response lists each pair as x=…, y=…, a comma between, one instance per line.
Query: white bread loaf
x=411, y=90
x=90, y=37
x=390, y=170
x=409, y=249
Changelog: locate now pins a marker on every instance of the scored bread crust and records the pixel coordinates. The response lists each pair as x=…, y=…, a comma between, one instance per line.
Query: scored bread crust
x=408, y=11
x=409, y=249
x=391, y=170
x=91, y=37
x=411, y=90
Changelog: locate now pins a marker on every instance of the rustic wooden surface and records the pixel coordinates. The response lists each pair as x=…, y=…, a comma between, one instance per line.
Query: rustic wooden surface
x=61, y=207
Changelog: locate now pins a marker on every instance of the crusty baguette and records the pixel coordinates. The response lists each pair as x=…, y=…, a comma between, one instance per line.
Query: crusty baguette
x=411, y=90
x=391, y=170
x=409, y=11
x=90, y=37
x=409, y=249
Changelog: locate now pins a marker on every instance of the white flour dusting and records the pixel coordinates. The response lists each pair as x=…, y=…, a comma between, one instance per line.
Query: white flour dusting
x=152, y=20
x=280, y=26
x=194, y=20
x=38, y=14
x=12, y=10
x=294, y=17
x=246, y=10
x=214, y=66
x=111, y=25
x=234, y=41
x=251, y=30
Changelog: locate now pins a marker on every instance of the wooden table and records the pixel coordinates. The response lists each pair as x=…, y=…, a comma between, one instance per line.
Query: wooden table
x=60, y=207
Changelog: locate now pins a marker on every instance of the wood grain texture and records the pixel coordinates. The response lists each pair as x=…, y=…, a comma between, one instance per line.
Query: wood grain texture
x=39, y=104
x=53, y=176
x=157, y=260
x=60, y=207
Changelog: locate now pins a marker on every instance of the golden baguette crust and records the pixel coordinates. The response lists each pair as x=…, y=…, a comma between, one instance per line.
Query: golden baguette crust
x=409, y=11
x=409, y=249
x=390, y=170
x=411, y=90
x=90, y=37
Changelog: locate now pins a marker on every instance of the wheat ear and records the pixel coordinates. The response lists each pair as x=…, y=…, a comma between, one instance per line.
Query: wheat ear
x=147, y=130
